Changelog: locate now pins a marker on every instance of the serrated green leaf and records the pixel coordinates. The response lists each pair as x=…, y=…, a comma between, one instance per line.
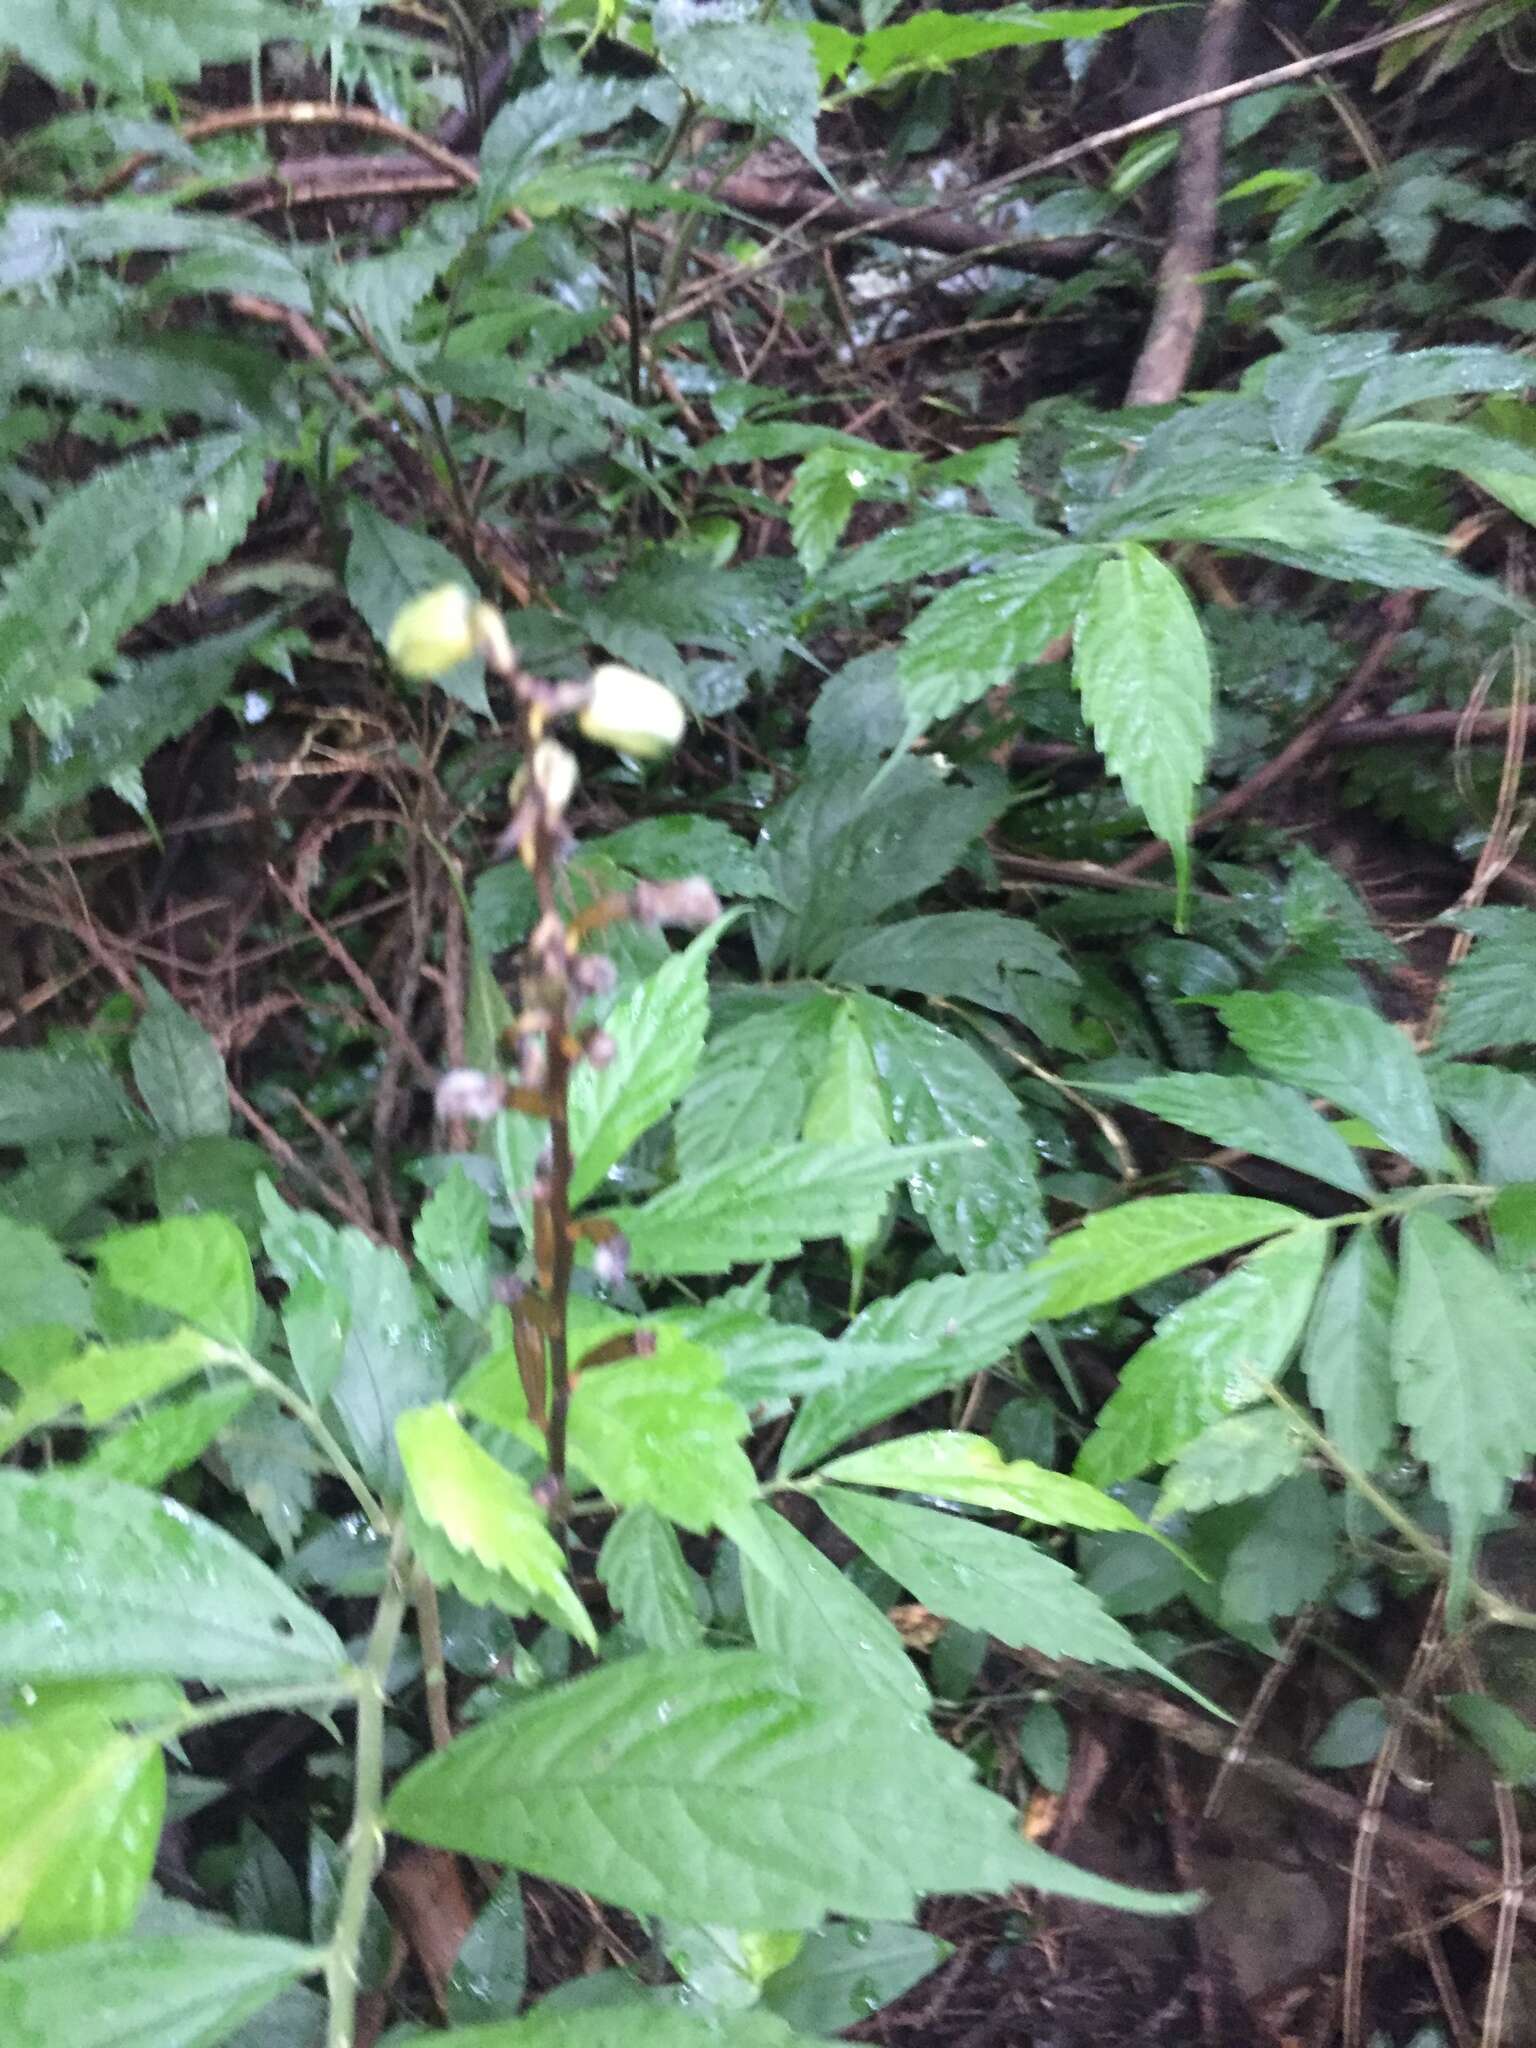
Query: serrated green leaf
x=712, y=1787
x=985, y=1579
x=658, y=1031
x=1463, y=1350
x=452, y=1239
x=1261, y=1117
x=169, y=1438
x=981, y=1198
x=196, y=1267
x=620, y=2022
x=1486, y=994
x=764, y=1206
x=485, y=1510
x=969, y=954
x=1233, y=1459
x=683, y=843
x=1497, y=1110
x=821, y=499
x=1210, y=1357
x=149, y=41
x=1346, y=1353
x=934, y=40
x=934, y=545
x=80, y=1813
x=1427, y=373
x=102, y=1380
x=641, y=1563
x=150, y=702
x=49, y=1095
x=1119, y=1251
x=901, y=1350
x=39, y=244
x=973, y=637
x=103, y=1580
x=815, y=1623
x=178, y=1069
x=387, y=566
x=847, y=1107
x=753, y=1084
x=1348, y=1055
x=951, y=1465
x=661, y=1432
x=168, y=1991
x=743, y=68
x=1143, y=671
x=137, y=536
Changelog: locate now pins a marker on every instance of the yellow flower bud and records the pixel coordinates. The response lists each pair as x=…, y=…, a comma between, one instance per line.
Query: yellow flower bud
x=433, y=633
x=632, y=714
x=553, y=774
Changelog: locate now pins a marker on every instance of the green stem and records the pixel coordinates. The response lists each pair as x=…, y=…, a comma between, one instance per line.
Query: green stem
x=1493, y=1605
x=305, y=1412
x=365, y=1839
x=274, y=1699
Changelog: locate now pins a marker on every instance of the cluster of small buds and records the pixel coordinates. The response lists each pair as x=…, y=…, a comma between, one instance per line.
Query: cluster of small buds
x=467, y=1095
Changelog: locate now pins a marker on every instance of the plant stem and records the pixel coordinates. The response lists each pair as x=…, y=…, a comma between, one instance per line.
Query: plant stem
x=1493, y=1605
x=365, y=1839
x=274, y=1699
x=305, y=1412
x=429, y=1627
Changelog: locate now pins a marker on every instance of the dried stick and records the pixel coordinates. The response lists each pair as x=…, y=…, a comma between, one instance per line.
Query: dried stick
x=1178, y=311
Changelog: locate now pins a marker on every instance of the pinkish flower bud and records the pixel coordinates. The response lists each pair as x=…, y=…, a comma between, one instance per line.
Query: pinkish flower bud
x=690, y=902
x=610, y=1261
x=594, y=974
x=599, y=1049
x=466, y=1093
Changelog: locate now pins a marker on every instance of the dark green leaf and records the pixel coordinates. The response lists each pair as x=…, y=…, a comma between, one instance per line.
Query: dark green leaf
x=491, y=1971
x=1119, y=1251
x=641, y=1563
x=753, y=1084
x=41, y=1286
x=973, y=637
x=1348, y=1055
x=1233, y=1459
x=1486, y=994
x=1261, y=1117
x=743, y=68
x=815, y=1623
x=1346, y=1353
x=848, y=1970
x=178, y=1069
x=388, y=565
x=972, y=955
x=48, y=1095
x=452, y=1239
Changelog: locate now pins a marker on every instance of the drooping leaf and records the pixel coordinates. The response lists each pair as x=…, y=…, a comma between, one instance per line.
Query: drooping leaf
x=980, y=1198
x=178, y=1069
x=642, y=1565
x=1347, y=1352
x=1143, y=671
x=901, y=1350
x=712, y=1787
x=951, y=1465
x=485, y=1510
x=815, y=1623
x=102, y=1380
x=1346, y=1054
x=1262, y=1117
x=765, y=1205
x=1118, y=1251
x=1211, y=1356
x=658, y=1030
x=196, y=1267
x=1425, y=373
x=1463, y=1349
x=165, y=1991
x=932, y=546
x=1486, y=993
x=682, y=843
x=977, y=635
x=985, y=1579
x=103, y=1580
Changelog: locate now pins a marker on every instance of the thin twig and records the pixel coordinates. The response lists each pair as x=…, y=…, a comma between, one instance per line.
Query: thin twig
x=1178, y=310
